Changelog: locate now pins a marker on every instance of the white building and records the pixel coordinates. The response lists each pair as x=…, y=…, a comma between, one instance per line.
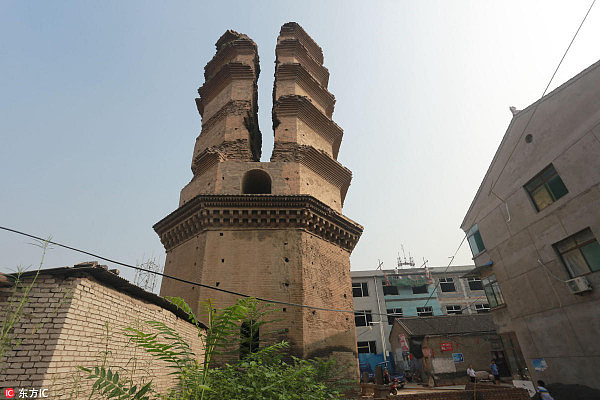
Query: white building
x=381, y=295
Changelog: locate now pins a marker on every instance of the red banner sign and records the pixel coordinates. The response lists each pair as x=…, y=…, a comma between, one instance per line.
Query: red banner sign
x=403, y=343
x=446, y=346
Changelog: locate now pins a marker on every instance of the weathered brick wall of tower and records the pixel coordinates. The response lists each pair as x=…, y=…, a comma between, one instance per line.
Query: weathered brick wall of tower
x=268, y=229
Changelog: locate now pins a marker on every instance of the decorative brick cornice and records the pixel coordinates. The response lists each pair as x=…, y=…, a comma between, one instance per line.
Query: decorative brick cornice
x=318, y=161
x=227, y=74
x=292, y=30
x=297, y=73
x=227, y=150
x=231, y=108
x=228, y=53
x=301, y=107
x=293, y=48
x=205, y=160
x=254, y=212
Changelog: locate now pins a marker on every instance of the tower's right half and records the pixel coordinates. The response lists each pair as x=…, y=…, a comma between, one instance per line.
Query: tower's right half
x=306, y=146
x=274, y=229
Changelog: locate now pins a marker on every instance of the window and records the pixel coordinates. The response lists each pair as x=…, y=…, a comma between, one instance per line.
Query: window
x=545, y=188
x=366, y=347
x=482, y=308
x=256, y=181
x=475, y=241
x=249, y=338
x=580, y=253
x=390, y=290
x=475, y=284
x=419, y=289
x=456, y=309
x=360, y=289
x=362, y=318
x=492, y=291
x=447, y=285
x=393, y=313
x=425, y=311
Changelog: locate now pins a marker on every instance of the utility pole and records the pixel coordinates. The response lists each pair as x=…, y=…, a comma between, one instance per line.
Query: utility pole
x=380, y=313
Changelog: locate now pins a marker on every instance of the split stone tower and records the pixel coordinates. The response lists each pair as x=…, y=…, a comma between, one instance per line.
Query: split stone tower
x=268, y=229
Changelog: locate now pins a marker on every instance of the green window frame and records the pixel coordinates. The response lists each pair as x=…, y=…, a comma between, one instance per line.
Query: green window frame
x=475, y=240
x=580, y=253
x=492, y=291
x=545, y=188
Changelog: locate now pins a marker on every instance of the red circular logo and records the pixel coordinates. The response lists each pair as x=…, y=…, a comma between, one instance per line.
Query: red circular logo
x=9, y=393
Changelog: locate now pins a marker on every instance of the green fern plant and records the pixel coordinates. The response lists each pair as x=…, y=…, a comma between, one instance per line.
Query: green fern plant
x=220, y=336
x=176, y=352
x=108, y=384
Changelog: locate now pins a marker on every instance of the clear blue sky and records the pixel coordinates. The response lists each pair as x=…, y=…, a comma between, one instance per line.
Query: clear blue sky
x=98, y=121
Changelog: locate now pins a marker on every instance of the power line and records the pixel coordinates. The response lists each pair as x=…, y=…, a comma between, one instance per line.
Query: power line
x=537, y=104
x=173, y=277
x=180, y=279
x=451, y=260
x=213, y=287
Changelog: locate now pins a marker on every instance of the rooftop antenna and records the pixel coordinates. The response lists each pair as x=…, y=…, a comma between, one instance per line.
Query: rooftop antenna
x=146, y=277
x=380, y=267
x=402, y=261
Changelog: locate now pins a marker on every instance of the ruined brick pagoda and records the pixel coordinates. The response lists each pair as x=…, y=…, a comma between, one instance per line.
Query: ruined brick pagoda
x=268, y=229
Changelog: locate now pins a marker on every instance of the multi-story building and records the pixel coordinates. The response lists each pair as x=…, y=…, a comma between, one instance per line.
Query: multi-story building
x=382, y=295
x=534, y=227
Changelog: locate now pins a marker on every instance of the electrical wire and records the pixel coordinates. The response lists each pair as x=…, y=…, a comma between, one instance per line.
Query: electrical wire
x=537, y=104
x=173, y=277
x=550, y=272
x=185, y=280
x=220, y=289
x=233, y=292
x=450, y=263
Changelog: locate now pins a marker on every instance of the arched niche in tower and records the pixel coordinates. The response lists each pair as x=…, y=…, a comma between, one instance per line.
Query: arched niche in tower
x=256, y=181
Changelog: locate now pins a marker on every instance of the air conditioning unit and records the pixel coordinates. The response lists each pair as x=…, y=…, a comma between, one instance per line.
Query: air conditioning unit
x=579, y=285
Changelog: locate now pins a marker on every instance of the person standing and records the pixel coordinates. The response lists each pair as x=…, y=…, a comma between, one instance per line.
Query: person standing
x=495, y=372
x=471, y=373
x=386, y=376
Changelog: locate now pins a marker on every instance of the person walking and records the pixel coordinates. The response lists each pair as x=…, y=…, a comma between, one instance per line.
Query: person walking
x=471, y=373
x=495, y=372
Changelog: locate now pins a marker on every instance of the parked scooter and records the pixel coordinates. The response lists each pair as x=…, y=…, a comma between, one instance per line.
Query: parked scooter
x=397, y=382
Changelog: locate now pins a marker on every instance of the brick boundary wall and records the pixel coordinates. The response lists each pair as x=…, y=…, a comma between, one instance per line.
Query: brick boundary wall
x=65, y=324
